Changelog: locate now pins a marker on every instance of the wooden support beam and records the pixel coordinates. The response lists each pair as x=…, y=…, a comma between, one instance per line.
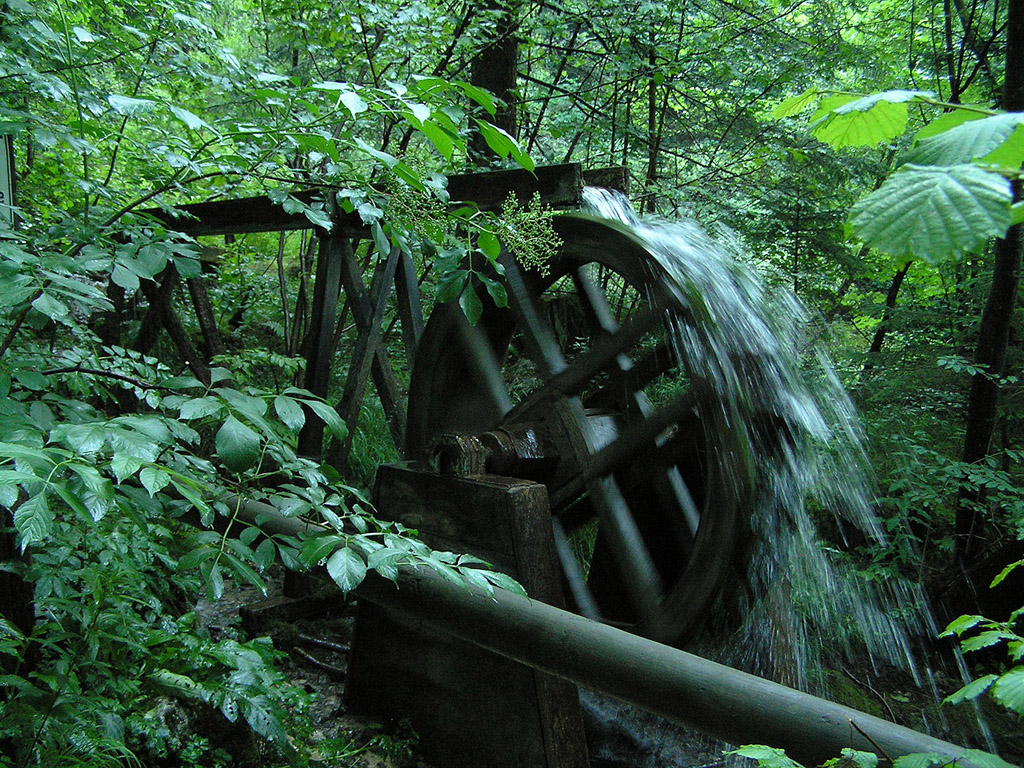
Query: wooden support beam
x=368, y=340
x=560, y=186
x=380, y=366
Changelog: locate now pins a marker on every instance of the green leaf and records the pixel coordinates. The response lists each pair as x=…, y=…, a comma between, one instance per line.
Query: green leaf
x=259, y=714
x=34, y=519
x=862, y=123
x=961, y=624
x=767, y=757
x=380, y=240
x=450, y=285
x=796, y=104
x=316, y=548
x=984, y=640
x=947, y=120
x=354, y=102
x=199, y=407
x=347, y=568
x=920, y=760
x=329, y=416
x=479, y=95
x=419, y=112
x=51, y=307
x=124, y=465
x=985, y=759
x=237, y=445
x=1009, y=690
x=290, y=412
x=440, y=138
x=177, y=684
x=471, y=304
x=1010, y=154
x=933, y=213
x=126, y=105
x=504, y=581
x=489, y=245
x=503, y=145
x=1017, y=213
x=1005, y=572
x=190, y=120
x=868, y=103
x=98, y=497
x=264, y=554
x=968, y=142
x=971, y=691
x=853, y=758
x=154, y=479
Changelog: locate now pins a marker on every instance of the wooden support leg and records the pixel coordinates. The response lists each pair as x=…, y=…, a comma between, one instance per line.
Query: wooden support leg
x=213, y=344
x=334, y=251
x=367, y=342
x=380, y=366
x=162, y=314
x=410, y=306
x=470, y=707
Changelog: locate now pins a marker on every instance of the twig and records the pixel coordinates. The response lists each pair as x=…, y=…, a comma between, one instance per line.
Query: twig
x=109, y=374
x=874, y=743
x=849, y=674
x=330, y=668
x=338, y=647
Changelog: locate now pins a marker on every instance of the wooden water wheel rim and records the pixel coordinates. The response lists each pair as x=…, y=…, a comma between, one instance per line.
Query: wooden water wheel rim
x=638, y=483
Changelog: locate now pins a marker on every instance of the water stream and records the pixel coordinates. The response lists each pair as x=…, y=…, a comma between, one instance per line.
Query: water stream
x=803, y=608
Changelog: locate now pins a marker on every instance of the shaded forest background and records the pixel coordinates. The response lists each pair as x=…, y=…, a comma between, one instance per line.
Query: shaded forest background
x=146, y=375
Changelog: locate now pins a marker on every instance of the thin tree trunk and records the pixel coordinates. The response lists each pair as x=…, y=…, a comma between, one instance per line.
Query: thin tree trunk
x=890, y=306
x=993, y=334
x=213, y=343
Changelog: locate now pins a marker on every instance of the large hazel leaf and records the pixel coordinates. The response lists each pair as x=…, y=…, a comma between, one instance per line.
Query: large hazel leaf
x=933, y=213
x=863, y=122
x=237, y=445
x=969, y=141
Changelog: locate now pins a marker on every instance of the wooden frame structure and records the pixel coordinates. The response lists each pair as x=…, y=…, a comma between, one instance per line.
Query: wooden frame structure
x=336, y=269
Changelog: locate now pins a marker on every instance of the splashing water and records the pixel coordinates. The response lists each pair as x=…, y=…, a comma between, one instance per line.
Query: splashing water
x=750, y=347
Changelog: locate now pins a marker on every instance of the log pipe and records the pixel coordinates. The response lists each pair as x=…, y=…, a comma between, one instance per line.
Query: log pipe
x=712, y=698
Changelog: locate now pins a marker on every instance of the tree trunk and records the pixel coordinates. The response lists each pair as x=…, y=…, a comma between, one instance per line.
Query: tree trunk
x=995, y=321
x=890, y=305
x=494, y=68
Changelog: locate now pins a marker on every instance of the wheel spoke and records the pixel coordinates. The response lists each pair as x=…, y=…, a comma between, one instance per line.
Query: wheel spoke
x=542, y=344
x=604, y=351
x=578, y=588
x=644, y=589
x=632, y=442
x=487, y=368
x=595, y=305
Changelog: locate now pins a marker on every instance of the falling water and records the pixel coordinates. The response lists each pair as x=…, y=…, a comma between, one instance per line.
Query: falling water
x=750, y=346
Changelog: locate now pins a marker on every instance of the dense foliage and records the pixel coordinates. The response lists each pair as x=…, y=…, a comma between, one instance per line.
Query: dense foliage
x=113, y=432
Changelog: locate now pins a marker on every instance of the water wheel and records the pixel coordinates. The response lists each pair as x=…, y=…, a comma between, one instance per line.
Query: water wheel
x=578, y=383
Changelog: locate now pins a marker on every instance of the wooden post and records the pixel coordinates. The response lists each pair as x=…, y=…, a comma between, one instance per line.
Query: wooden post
x=469, y=706
x=334, y=249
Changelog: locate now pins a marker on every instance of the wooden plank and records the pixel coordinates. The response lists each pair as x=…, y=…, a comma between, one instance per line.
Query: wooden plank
x=558, y=185
x=615, y=177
